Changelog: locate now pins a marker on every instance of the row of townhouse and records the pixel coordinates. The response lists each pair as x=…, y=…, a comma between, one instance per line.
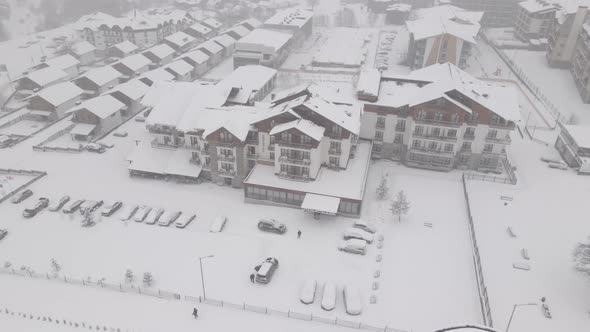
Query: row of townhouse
x=438, y=117
x=293, y=151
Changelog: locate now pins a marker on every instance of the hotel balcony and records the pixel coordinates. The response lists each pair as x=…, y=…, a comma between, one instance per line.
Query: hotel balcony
x=438, y=122
x=287, y=160
x=335, y=152
x=229, y=158
x=380, y=125
x=170, y=146
x=435, y=137
x=499, y=140
x=191, y=147
x=400, y=128
x=507, y=125
x=226, y=172
x=306, y=146
x=437, y=152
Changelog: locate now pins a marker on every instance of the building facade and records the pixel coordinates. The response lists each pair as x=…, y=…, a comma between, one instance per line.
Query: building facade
x=563, y=35
x=573, y=143
x=580, y=68
x=497, y=13
x=533, y=19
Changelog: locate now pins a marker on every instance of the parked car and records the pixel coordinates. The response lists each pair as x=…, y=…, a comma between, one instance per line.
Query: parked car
x=361, y=224
x=5, y=141
x=352, y=300
x=109, y=209
x=562, y=166
x=168, y=218
x=218, y=224
x=120, y=134
x=21, y=196
x=107, y=145
x=72, y=206
x=142, y=213
x=353, y=246
x=154, y=216
x=357, y=233
x=139, y=118
x=58, y=204
x=129, y=212
x=308, y=291
x=3, y=233
x=40, y=205
x=266, y=270
x=329, y=296
x=90, y=206
x=93, y=147
x=272, y=225
x=184, y=220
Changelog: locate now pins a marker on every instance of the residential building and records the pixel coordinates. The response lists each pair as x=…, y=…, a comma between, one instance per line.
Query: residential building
x=200, y=32
x=199, y=61
x=227, y=42
x=296, y=21
x=580, y=68
x=534, y=18
x=497, y=13
x=213, y=50
x=573, y=143
x=96, y=116
x=40, y=79
x=129, y=93
x=122, y=49
x=250, y=24
x=564, y=32
x=132, y=66
x=66, y=62
x=180, y=41
x=442, y=34
x=212, y=24
x=248, y=84
x=84, y=52
x=160, y=54
x=262, y=47
x=181, y=70
x=398, y=13
x=440, y=117
x=52, y=102
x=158, y=74
x=97, y=81
x=237, y=32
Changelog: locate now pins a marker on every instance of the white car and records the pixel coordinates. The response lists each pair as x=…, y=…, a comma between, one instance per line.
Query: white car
x=58, y=204
x=184, y=220
x=129, y=212
x=329, y=296
x=142, y=213
x=352, y=300
x=154, y=216
x=217, y=225
x=353, y=246
x=357, y=233
x=168, y=218
x=308, y=291
x=361, y=224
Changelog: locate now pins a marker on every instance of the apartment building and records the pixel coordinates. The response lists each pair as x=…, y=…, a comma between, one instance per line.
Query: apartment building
x=580, y=68
x=442, y=34
x=563, y=34
x=296, y=21
x=497, y=13
x=534, y=18
x=573, y=143
x=440, y=118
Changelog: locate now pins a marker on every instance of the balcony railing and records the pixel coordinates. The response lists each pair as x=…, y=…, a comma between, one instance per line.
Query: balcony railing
x=400, y=128
x=170, y=146
x=469, y=137
x=303, y=178
x=252, y=155
x=226, y=172
x=380, y=125
x=295, y=145
x=335, y=152
x=228, y=144
x=435, y=137
x=287, y=160
x=223, y=157
x=491, y=153
x=499, y=140
x=195, y=161
x=205, y=152
x=508, y=125
x=430, y=151
x=191, y=147
x=430, y=121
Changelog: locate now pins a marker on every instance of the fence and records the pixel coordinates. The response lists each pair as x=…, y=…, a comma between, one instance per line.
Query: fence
x=481, y=285
x=211, y=301
x=509, y=178
x=37, y=174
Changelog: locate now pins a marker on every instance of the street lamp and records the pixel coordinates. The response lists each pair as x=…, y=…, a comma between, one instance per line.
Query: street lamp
x=202, y=279
x=514, y=309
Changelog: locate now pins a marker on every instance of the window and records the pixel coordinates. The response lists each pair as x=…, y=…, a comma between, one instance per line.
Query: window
x=334, y=161
x=207, y=161
x=488, y=147
x=448, y=147
x=422, y=115
x=228, y=167
x=194, y=140
x=436, y=132
x=455, y=118
x=305, y=139
x=251, y=150
x=466, y=146
x=492, y=133
x=399, y=139
x=438, y=116
x=419, y=130
x=432, y=145
x=416, y=144
x=226, y=152
x=286, y=136
x=272, y=156
x=380, y=122
x=336, y=131
x=452, y=133
x=377, y=148
x=378, y=135
x=469, y=132
x=224, y=137
x=401, y=125
x=195, y=156
x=463, y=159
x=335, y=146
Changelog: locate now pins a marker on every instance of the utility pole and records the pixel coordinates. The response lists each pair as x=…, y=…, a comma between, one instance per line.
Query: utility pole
x=202, y=278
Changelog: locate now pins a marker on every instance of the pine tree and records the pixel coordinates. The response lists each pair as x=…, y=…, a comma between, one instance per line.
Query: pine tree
x=382, y=189
x=129, y=276
x=400, y=206
x=55, y=266
x=582, y=257
x=147, y=279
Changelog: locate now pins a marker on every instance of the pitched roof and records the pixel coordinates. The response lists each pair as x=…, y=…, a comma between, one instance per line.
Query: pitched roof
x=47, y=76
x=134, y=62
x=160, y=51
x=125, y=47
x=210, y=46
x=240, y=30
x=212, y=23
x=447, y=19
x=246, y=80
x=179, y=67
x=295, y=17
x=235, y=119
x=268, y=38
x=250, y=22
x=63, y=62
x=224, y=40
x=134, y=89
x=197, y=56
x=198, y=27
x=305, y=126
x=60, y=93
x=180, y=39
x=101, y=106
x=159, y=74
x=102, y=75
x=82, y=48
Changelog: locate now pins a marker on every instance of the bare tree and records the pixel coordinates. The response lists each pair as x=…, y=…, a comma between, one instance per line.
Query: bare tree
x=400, y=205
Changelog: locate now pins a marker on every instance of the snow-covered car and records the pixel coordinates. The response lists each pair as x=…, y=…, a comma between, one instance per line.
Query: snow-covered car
x=107, y=145
x=168, y=218
x=142, y=213
x=93, y=147
x=139, y=118
x=3, y=233
x=72, y=206
x=154, y=216
x=90, y=206
x=308, y=291
x=5, y=141
x=352, y=300
x=353, y=246
x=267, y=270
x=40, y=205
x=272, y=225
x=218, y=224
x=329, y=296
x=21, y=196
x=58, y=204
x=120, y=134
x=561, y=166
x=184, y=220
x=129, y=212
x=551, y=159
x=109, y=209
x=361, y=224
x=357, y=233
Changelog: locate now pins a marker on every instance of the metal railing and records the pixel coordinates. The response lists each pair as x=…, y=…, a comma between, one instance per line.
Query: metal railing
x=287, y=160
x=498, y=140
x=434, y=137
x=444, y=123
x=230, y=158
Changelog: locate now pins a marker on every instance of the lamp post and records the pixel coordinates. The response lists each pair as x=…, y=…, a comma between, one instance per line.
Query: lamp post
x=513, y=310
x=203, y=279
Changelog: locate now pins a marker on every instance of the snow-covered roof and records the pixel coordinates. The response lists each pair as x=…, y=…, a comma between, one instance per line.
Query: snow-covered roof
x=196, y=55
x=46, y=76
x=82, y=129
x=125, y=47
x=537, y=6
x=399, y=7
x=295, y=17
x=134, y=62
x=158, y=74
x=135, y=20
x=179, y=67
x=305, y=126
x=320, y=203
x=580, y=134
x=264, y=37
x=254, y=23
x=240, y=30
x=246, y=80
x=369, y=81
x=134, y=89
x=235, y=119
x=63, y=62
x=224, y=40
x=81, y=48
x=213, y=23
x=160, y=51
x=198, y=27
x=447, y=19
x=102, y=75
x=180, y=39
x=210, y=46
x=60, y=93
x=101, y=106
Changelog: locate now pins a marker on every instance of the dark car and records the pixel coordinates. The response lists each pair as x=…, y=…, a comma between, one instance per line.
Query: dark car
x=3, y=233
x=21, y=196
x=73, y=206
x=90, y=206
x=271, y=225
x=40, y=205
x=265, y=271
x=109, y=209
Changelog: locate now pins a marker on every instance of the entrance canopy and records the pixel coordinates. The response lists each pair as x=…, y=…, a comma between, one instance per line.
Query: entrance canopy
x=82, y=129
x=320, y=204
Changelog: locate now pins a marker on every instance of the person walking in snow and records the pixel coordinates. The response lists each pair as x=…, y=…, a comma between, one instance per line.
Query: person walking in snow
x=252, y=278
x=195, y=313
x=298, y=234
